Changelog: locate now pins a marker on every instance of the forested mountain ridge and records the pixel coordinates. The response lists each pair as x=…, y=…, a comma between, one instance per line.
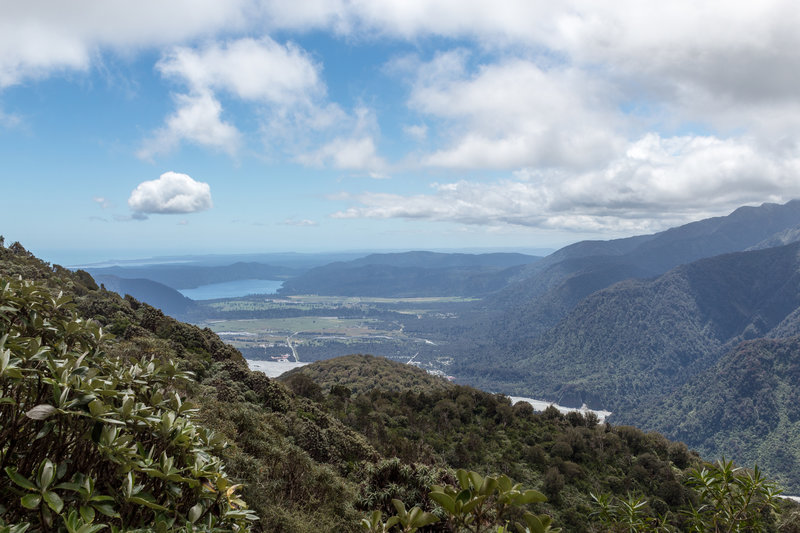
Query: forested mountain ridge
x=640, y=338
x=705, y=353
x=311, y=461
x=745, y=405
x=546, y=290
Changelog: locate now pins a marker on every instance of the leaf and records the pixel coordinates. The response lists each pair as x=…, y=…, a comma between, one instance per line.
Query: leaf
x=97, y=407
x=534, y=523
x=89, y=528
x=401, y=508
x=106, y=509
x=46, y=474
x=41, y=411
x=463, y=478
x=146, y=503
x=447, y=503
x=87, y=513
x=31, y=501
x=20, y=480
x=530, y=496
x=195, y=512
x=476, y=479
x=424, y=519
x=53, y=501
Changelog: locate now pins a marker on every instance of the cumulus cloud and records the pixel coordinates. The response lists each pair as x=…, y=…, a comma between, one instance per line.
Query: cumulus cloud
x=39, y=37
x=281, y=81
x=255, y=70
x=658, y=182
x=171, y=193
x=280, y=77
x=572, y=92
x=515, y=113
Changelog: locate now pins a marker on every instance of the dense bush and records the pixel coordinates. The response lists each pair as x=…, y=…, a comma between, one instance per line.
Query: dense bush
x=88, y=440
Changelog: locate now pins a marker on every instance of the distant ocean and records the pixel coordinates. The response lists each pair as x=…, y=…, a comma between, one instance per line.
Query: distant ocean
x=233, y=289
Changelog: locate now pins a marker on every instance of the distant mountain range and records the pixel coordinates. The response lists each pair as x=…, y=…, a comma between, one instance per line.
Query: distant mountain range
x=154, y=293
x=545, y=291
x=639, y=339
x=179, y=276
x=692, y=331
x=412, y=274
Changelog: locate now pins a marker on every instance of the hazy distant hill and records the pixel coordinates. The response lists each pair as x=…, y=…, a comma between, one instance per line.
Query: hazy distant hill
x=180, y=276
x=158, y=295
x=411, y=274
x=546, y=290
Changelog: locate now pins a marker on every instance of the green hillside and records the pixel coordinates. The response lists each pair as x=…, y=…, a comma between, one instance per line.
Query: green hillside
x=545, y=291
x=362, y=373
x=745, y=406
x=299, y=458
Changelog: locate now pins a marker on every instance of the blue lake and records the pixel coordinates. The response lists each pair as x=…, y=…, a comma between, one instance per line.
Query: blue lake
x=233, y=289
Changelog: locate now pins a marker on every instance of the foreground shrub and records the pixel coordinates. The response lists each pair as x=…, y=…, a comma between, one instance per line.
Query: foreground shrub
x=88, y=441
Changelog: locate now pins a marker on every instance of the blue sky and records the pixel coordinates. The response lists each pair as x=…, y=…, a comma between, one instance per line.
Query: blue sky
x=136, y=129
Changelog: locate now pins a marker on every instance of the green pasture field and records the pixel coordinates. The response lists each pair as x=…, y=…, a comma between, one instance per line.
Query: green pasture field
x=315, y=324
x=345, y=300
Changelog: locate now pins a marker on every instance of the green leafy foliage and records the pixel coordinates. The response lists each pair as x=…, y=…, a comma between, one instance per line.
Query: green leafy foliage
x=732, y=499
x=476, y=504
x=726, y=499
x=98, y=441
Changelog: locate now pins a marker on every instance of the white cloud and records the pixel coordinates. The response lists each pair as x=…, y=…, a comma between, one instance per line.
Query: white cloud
x=418, y=132
x=171, y=193
x=656, y=183
x=303, y=223
x=353, y=149
x=281, y=77
x=514, y=113
x=39, y=37
x=102, y=202
x=9, y=120
x=281, y=81
x=255, y=70
x=197, y=120
x=347, y=154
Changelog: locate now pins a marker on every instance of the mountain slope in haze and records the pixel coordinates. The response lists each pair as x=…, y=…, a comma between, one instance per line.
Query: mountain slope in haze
x=156, y=294
x=411, y=274
x=638, y=339
x=546, y=290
